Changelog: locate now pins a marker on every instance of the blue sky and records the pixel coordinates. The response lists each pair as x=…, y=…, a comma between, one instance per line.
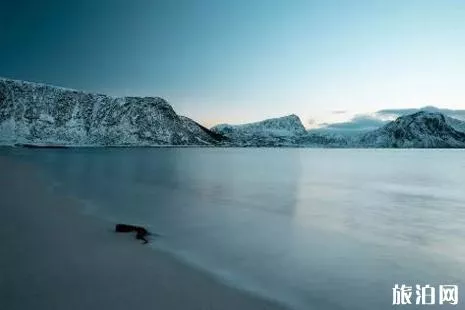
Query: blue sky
x=240, y=61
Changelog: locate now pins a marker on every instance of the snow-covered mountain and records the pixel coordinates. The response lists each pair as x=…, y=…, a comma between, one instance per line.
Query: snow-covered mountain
x=39, y=114
x=419, y=130
x=32, y=113
x=281, y=131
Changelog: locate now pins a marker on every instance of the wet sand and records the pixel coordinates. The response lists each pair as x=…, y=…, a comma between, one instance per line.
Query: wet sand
x=54, y=257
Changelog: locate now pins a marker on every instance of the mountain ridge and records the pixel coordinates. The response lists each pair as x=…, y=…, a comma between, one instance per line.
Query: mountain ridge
x=45, y=115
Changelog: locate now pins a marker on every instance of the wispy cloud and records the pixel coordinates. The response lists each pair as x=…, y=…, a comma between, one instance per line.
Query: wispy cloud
x=339, y=112
x=358, y=122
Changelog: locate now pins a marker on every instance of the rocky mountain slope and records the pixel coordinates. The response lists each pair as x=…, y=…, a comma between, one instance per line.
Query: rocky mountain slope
x=419, y=130
x=32, y=113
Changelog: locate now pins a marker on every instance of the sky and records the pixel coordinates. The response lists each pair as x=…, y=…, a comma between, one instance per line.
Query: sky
x=239, y=61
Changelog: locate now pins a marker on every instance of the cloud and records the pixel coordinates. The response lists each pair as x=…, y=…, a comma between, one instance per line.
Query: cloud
x=394, y=113
x=339, y=112
x=358, y=122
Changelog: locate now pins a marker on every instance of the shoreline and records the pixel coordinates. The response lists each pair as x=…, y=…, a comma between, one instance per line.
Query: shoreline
x=56, y=257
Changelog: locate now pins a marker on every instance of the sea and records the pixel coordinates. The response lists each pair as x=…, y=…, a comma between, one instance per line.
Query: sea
x=323, y=229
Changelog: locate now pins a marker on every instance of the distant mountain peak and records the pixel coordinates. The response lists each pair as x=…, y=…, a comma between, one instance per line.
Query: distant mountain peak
x=278, y=131
x=279, y=126
x=423, y=129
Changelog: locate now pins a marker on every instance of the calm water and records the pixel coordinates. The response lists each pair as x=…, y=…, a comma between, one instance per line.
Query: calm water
x=314, y=228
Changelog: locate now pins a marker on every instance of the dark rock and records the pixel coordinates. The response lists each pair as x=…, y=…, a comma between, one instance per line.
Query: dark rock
x=141, y=232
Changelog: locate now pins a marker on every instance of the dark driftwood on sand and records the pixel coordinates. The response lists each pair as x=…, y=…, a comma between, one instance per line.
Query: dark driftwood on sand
x=141, y=232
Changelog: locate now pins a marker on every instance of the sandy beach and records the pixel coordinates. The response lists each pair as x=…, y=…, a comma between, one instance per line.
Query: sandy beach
x=54, y=257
